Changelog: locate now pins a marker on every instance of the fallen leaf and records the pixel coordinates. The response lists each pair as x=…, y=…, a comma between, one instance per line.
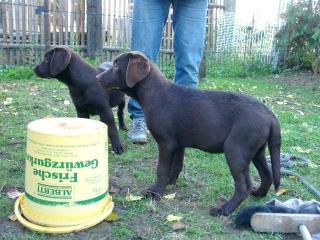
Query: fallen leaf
x=170, y=196
x=282, y=103
x=309, y=129
x=179, y=226
x=112, y=217
x=66, y=102
x=34, y=88
x=282, y=191
x=8, y=101
x=132, y=198
x=294, y=178
x=312, y=165
x=13, y=193
x=213, y=86
x=172, y=218
x=300, y=112
x=13, y=217
x=301, y=150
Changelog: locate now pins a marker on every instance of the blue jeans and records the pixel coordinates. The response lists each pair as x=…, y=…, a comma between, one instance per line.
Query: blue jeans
x=189, y=22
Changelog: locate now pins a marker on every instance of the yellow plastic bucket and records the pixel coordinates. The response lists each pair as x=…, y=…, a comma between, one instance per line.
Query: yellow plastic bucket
x=66, y=180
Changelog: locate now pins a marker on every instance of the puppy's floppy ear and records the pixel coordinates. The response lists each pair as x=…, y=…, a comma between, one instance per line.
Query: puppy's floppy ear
x=60, y=60
x=138, y=68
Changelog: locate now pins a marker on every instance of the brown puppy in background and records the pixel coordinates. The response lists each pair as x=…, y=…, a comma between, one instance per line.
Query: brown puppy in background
x=88, y=97
x=213, y=121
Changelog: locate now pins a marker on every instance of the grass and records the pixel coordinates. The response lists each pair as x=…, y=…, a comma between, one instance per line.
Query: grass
x=204, y=181
x=230, y=65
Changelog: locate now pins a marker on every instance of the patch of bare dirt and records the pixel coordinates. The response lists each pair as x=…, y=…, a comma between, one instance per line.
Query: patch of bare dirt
x=306, y=79
x=14, y=230
x=123, y=178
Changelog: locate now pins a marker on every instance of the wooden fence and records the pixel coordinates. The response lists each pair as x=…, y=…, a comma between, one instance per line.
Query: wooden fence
x=30, y=27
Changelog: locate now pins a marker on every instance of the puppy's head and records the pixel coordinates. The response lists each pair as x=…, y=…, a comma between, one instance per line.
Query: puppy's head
x=127, y=71
x=55, y=61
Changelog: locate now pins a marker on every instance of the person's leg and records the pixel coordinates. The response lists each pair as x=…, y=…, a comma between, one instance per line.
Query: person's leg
x=189, y=24
x=149, y=17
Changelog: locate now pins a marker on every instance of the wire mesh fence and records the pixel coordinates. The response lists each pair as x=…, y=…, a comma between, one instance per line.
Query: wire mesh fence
x=242, y=48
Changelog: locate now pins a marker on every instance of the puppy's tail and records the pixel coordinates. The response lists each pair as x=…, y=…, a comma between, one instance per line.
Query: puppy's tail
x=274, y=145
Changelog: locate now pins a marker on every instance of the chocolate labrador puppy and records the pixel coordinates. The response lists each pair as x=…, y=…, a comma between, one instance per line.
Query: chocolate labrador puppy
x=88, y=97
x=214, y=121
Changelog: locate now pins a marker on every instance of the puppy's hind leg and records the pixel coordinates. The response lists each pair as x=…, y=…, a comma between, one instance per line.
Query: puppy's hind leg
x=260, y=163
x=238, y=161
x=120, y=113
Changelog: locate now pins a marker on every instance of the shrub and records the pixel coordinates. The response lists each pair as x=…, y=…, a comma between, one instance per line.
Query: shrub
x=298, y=40
x=16, y=72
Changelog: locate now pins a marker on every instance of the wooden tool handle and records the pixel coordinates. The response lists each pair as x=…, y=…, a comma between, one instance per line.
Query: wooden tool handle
x=285, y=222
x=305, y=232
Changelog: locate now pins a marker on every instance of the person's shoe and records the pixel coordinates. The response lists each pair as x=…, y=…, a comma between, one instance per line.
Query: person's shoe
x=138, y=131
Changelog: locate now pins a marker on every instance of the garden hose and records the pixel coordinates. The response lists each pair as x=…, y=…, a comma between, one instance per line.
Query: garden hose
x=303, y=180
x=286, y=163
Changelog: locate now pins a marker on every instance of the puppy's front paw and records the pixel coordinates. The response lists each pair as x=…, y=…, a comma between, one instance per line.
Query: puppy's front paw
x=258, y=192
x=151, y=193
x=118, y=148
x=218, y=211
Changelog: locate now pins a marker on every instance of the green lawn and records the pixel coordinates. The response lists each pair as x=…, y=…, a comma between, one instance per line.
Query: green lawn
x=204, y=182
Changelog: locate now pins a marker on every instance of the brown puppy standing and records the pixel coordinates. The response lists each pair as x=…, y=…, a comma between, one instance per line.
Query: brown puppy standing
x=213, y=121
x=88, y=97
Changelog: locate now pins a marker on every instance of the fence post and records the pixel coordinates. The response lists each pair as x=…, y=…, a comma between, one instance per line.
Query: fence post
x=202, y=68
x=94, y=28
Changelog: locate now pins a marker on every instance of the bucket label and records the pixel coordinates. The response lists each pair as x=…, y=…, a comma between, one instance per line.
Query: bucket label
x=51, y=165
x=60, y=192
x=62, y=170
